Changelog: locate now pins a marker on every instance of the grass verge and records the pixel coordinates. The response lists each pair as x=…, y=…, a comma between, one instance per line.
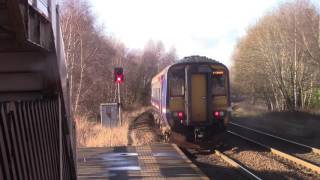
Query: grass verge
x=92, y=134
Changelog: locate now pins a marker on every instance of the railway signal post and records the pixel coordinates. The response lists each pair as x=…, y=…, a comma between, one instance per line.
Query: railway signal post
x=119, y=78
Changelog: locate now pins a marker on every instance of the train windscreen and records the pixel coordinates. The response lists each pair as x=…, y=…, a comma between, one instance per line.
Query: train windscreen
x=177, y=83
x=218, y=84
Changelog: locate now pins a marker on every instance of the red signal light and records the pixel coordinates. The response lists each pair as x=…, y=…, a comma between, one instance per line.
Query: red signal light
x=118, y=75
x=119, y=78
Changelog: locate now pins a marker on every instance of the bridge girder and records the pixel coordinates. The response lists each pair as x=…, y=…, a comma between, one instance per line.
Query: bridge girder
x=25, y=26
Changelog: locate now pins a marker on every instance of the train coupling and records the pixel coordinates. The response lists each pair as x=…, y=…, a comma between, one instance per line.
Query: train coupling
x=198, y=134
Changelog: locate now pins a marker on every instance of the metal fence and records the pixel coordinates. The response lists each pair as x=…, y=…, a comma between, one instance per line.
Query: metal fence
x=29, y=141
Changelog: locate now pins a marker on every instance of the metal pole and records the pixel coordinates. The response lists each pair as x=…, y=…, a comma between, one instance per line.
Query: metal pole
x=119, y=104
x=60, y=138
x=101, y=115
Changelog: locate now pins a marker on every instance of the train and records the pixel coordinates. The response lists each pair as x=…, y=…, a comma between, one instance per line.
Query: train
x=192, y=98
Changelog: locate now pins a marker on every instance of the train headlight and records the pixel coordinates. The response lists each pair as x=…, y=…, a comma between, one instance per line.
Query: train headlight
x=218, y=114
x=180, y=115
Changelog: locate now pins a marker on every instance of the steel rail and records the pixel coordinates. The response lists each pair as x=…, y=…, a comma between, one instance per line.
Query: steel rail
x=238, y=166
x=284, y=155
x=313, y=149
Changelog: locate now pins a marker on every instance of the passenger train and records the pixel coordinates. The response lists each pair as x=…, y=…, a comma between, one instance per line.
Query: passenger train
x=192, y=98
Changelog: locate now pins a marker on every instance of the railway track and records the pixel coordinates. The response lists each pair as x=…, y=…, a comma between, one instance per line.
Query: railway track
x=235, y=158
x=238, y=159
x=245, y=171
x=217, y=165
x=298, y=153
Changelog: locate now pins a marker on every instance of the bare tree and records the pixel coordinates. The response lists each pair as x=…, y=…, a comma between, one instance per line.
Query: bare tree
x=91, y=57
x=280, y=57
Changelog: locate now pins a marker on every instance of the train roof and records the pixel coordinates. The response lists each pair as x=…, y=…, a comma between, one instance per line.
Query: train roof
x=187, y=60
x=197, y=59
x=156, y=77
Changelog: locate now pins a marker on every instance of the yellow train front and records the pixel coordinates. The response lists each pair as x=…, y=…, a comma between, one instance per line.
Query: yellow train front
x=192, y=97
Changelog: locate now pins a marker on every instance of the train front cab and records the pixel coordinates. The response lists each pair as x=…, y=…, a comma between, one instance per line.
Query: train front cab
x=198, y=99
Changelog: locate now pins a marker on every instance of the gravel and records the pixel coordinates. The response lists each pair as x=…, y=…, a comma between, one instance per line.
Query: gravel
x=142, y=130
x=215, y=168
x=256, y=159
x=263, y=163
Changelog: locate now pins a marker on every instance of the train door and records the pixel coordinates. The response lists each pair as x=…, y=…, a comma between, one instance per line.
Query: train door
x=199, y=97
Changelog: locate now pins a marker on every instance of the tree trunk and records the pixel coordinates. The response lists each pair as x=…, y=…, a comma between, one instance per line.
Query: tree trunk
x=295, y=64
x=81, y=78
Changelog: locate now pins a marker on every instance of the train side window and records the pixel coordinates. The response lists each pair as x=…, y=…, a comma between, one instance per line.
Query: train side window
x=218, y=85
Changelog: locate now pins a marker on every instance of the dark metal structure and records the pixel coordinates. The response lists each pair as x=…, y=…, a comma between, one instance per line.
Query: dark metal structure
x=36, y=130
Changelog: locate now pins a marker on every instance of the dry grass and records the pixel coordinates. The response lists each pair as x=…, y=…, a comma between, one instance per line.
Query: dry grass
x=90, y=134
x=143, y=138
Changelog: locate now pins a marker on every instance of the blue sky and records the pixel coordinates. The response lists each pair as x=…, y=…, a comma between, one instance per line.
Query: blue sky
x=194, y=27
